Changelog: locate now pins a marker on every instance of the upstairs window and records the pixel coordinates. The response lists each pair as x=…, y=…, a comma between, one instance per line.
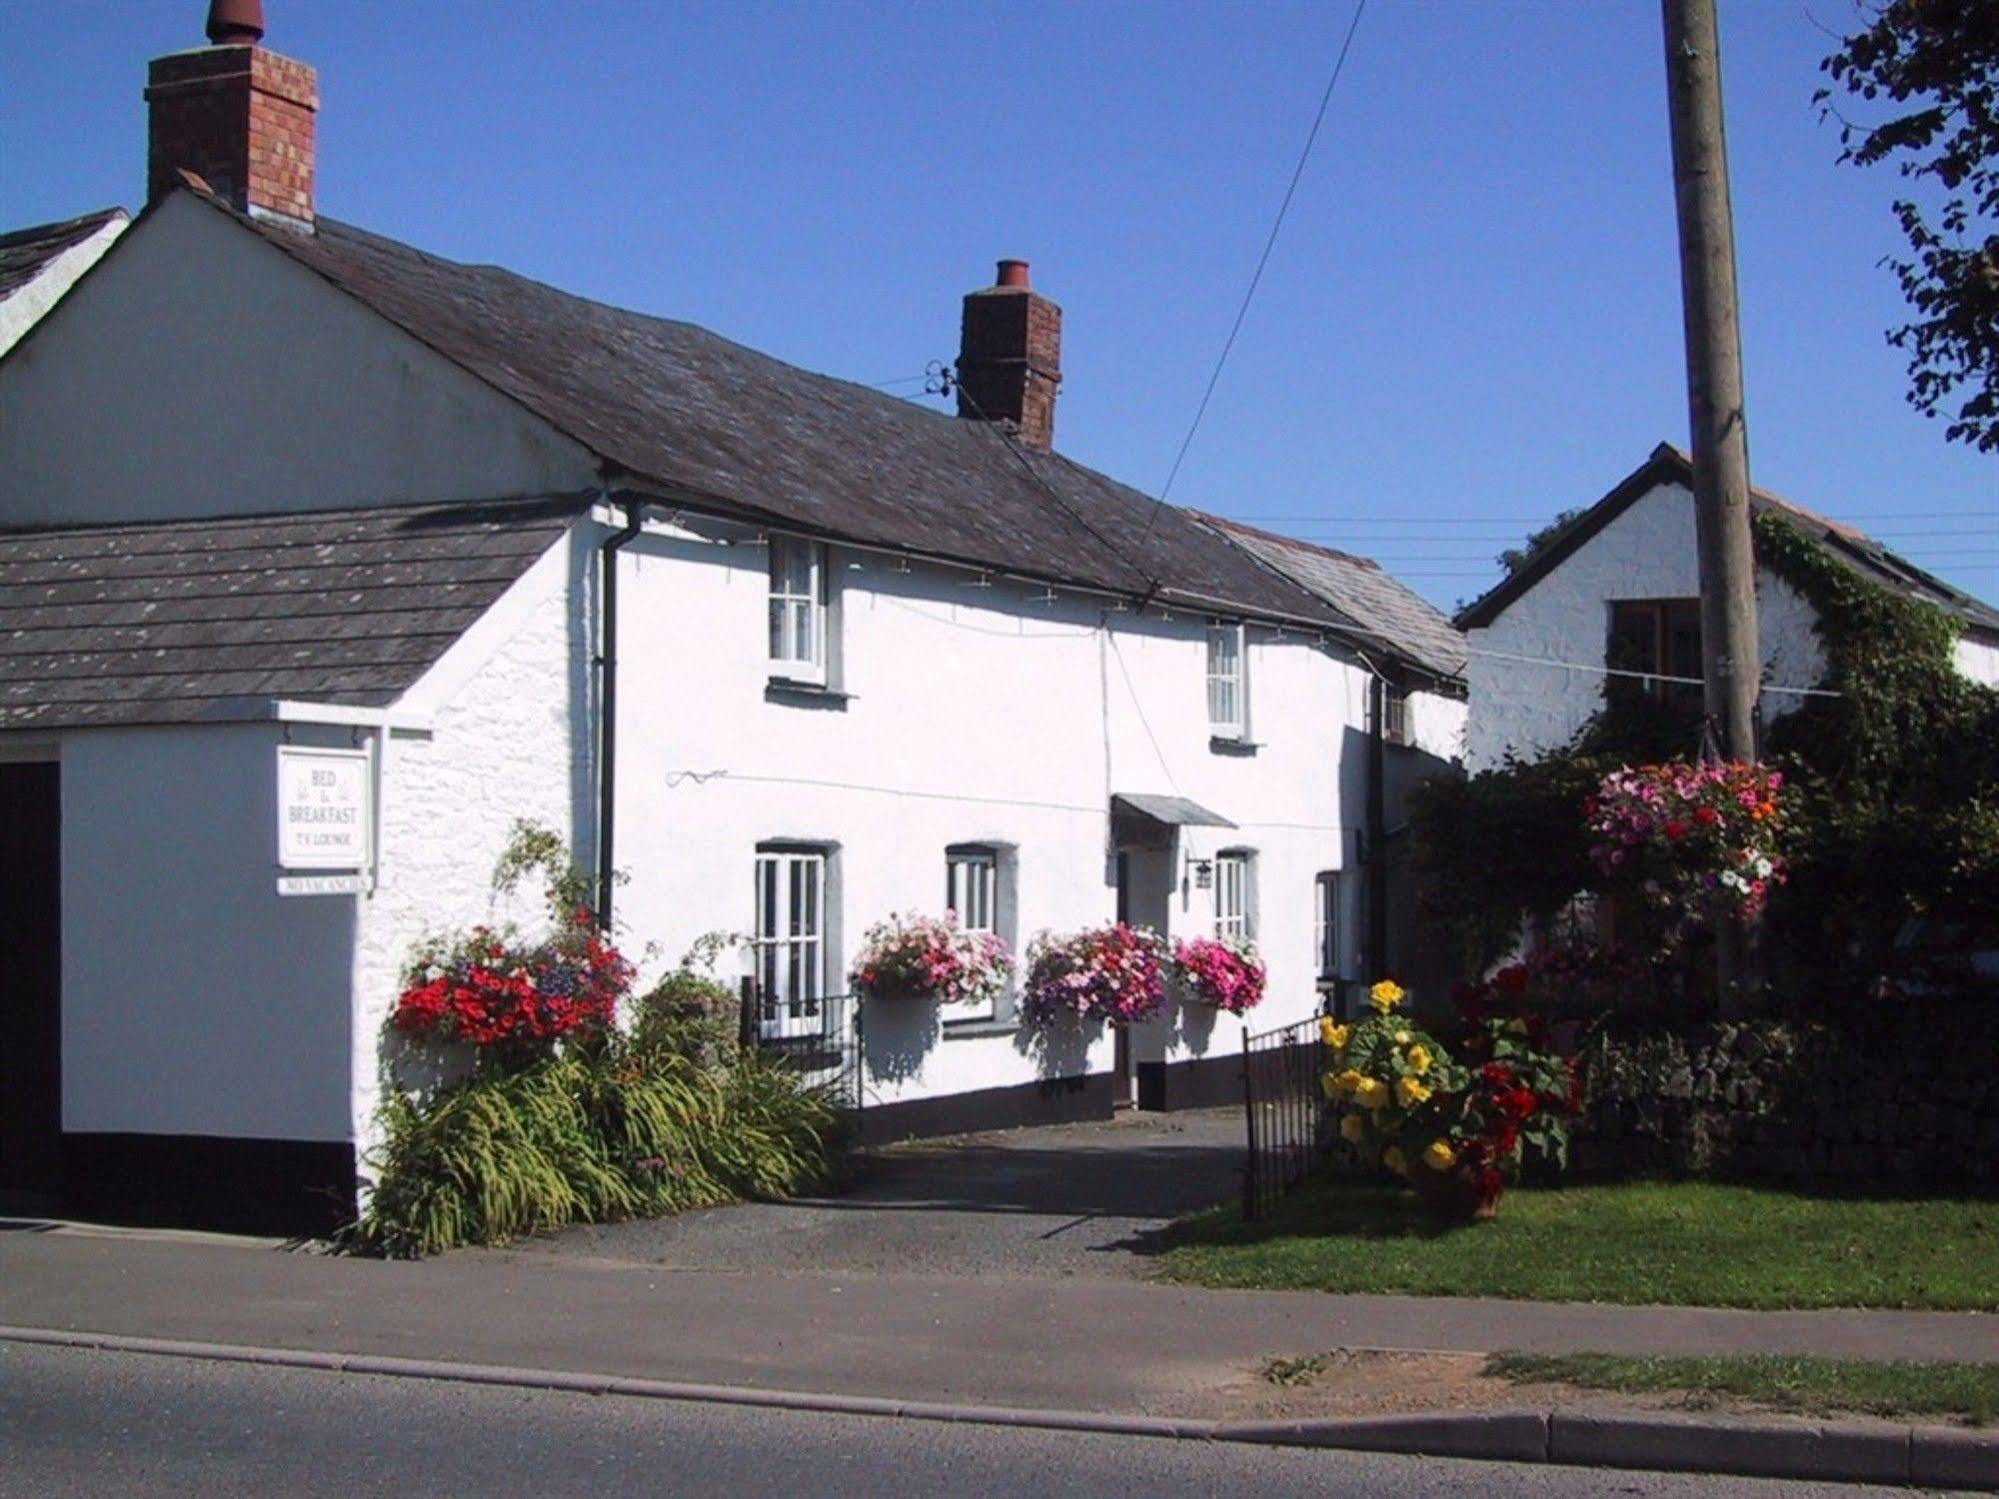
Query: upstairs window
x=1395, y=713
x=797, y=610
x=790, y=939
x=1660, y=638
x=1228, y=686
x=1233, y=914
x=1326, y=925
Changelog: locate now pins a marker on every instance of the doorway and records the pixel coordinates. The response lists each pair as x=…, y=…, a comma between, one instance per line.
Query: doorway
x=30, y=978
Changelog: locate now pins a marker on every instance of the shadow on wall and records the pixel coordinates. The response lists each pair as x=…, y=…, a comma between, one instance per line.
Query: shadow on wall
x=1059, y=1051
x=898, y=1035
x=1194, y=1026
x=1419, y=959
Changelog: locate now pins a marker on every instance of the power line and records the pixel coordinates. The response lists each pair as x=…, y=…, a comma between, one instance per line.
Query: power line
x=1263, y=260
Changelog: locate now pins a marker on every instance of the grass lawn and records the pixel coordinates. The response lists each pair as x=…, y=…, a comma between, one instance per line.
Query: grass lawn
x=1967, y=1392
x=1679, y=1243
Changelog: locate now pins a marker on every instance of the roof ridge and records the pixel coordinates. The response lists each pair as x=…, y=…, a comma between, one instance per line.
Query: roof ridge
x=508, y=508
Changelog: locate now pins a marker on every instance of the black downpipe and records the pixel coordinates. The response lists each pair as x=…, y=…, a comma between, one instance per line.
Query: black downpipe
x=607, y=708
x=1377, y=831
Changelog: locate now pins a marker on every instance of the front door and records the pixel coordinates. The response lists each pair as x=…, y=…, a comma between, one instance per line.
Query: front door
x=30, y=978
x=1145, y=899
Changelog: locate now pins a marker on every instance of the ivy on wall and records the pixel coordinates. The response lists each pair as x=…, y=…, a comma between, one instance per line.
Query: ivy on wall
x=1899, y=773
x=1898, y=781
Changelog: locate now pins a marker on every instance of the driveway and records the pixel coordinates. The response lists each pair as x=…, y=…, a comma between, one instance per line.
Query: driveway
x=1062, y=1200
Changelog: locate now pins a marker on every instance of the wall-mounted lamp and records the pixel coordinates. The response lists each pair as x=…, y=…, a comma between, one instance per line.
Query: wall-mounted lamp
x=1204, y=874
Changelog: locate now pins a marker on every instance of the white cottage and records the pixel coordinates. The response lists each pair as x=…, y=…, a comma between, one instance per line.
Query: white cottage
x=1616, y=589
x=325, y=560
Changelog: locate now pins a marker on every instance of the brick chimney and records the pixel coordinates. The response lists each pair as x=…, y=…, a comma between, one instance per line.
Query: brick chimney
x=237, y=116
x=1010, y=357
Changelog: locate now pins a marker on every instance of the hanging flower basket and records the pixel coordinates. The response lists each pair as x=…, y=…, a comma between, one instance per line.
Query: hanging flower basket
x=928, y=958
x=1115, y=973
x=1225, y=972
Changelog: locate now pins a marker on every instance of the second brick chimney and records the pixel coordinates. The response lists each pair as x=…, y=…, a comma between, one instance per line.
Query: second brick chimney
x=1010, y=357
x=237, y=116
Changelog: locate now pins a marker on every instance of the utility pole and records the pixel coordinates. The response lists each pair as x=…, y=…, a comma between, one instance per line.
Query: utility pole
x=1729, y=655
x=1729, y=658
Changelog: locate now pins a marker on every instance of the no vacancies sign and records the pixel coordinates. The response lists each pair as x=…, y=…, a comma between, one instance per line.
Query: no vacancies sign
x=323, y=811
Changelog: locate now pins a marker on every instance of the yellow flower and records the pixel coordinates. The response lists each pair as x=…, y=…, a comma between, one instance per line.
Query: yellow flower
x=1440, y=1156
x=1333, y=1033
x=1395, y=1161
x=1371, y=1093
x=1402, y=1038
x=1419, y=1059
x=1330, y=1086
x=1353, y=1127
x=1386, y=995
x=1408, y=1091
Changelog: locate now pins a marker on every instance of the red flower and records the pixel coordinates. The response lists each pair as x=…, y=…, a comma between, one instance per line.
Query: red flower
x=1675, y=829
x=1511, y=981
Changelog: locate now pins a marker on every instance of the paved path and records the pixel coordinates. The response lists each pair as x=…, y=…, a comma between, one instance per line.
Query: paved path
x=1076, y=1343
x=1062, y=1200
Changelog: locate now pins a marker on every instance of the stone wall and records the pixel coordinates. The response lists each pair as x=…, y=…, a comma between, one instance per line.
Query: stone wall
x=1903, y=1095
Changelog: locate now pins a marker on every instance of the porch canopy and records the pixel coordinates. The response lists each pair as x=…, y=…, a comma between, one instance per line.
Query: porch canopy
x=1141, y=818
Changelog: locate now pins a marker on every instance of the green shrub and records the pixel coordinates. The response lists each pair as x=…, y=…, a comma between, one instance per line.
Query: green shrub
x=590, y=1136
x=688, y=1014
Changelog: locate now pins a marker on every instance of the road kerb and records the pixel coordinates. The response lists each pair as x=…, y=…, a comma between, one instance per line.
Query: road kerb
x=1826, y=1451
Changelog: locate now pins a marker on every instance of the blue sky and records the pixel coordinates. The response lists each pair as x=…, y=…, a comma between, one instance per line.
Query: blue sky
x=1471, y=321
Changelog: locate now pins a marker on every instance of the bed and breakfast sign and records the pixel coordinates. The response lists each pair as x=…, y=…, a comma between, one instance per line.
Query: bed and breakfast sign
x=325, y=820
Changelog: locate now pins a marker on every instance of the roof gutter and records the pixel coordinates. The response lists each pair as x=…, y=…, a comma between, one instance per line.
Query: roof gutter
x=607, y=703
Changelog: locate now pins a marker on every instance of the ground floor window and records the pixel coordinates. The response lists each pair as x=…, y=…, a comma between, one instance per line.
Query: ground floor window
x=978, y=885
x=1326, y=925
x=790, y=938
x=1233, y=914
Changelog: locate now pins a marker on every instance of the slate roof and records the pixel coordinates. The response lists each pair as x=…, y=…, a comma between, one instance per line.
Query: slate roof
x=1668, y=465
x=1358, y=588
x=23, y=252
x=183, y=621
x=685, y=413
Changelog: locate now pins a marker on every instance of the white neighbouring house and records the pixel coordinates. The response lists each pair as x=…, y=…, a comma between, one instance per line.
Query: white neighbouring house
x=1617, y=588
x=323, y=560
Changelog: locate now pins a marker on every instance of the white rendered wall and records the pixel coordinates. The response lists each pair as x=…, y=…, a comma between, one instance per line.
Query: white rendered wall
x=1648, y=552
x=201, y=371
x=196, y=1000
x=975, y=715
x=1978, y=660
x=28, y=305
x=510, y=713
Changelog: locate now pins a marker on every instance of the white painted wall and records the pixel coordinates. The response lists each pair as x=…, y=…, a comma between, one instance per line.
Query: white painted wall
x=975, y=715
x=202, y=371
x=1978, y=660
x=511, y=714
x=1527, y=708
x=196, y=1000
x=29, y=304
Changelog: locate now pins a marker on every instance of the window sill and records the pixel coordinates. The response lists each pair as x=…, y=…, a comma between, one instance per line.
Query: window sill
x=972, y=1030
x=1223, y=744
x=806, y=694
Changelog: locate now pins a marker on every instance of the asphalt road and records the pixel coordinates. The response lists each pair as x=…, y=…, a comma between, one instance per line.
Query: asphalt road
x=77, y=1422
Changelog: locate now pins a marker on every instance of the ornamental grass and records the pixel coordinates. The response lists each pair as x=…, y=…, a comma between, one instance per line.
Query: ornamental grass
x=592, y=1135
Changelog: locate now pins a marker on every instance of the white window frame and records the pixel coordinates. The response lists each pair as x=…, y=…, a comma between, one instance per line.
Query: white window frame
x=789, y=941
x=1228, y=682
x=1235, y=914
x=1326, y=925
x=972, y=890
x=797, y=607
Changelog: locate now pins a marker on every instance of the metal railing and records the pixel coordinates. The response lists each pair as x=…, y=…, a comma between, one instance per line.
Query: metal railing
x=818, y=1036
x=1292, y=1129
